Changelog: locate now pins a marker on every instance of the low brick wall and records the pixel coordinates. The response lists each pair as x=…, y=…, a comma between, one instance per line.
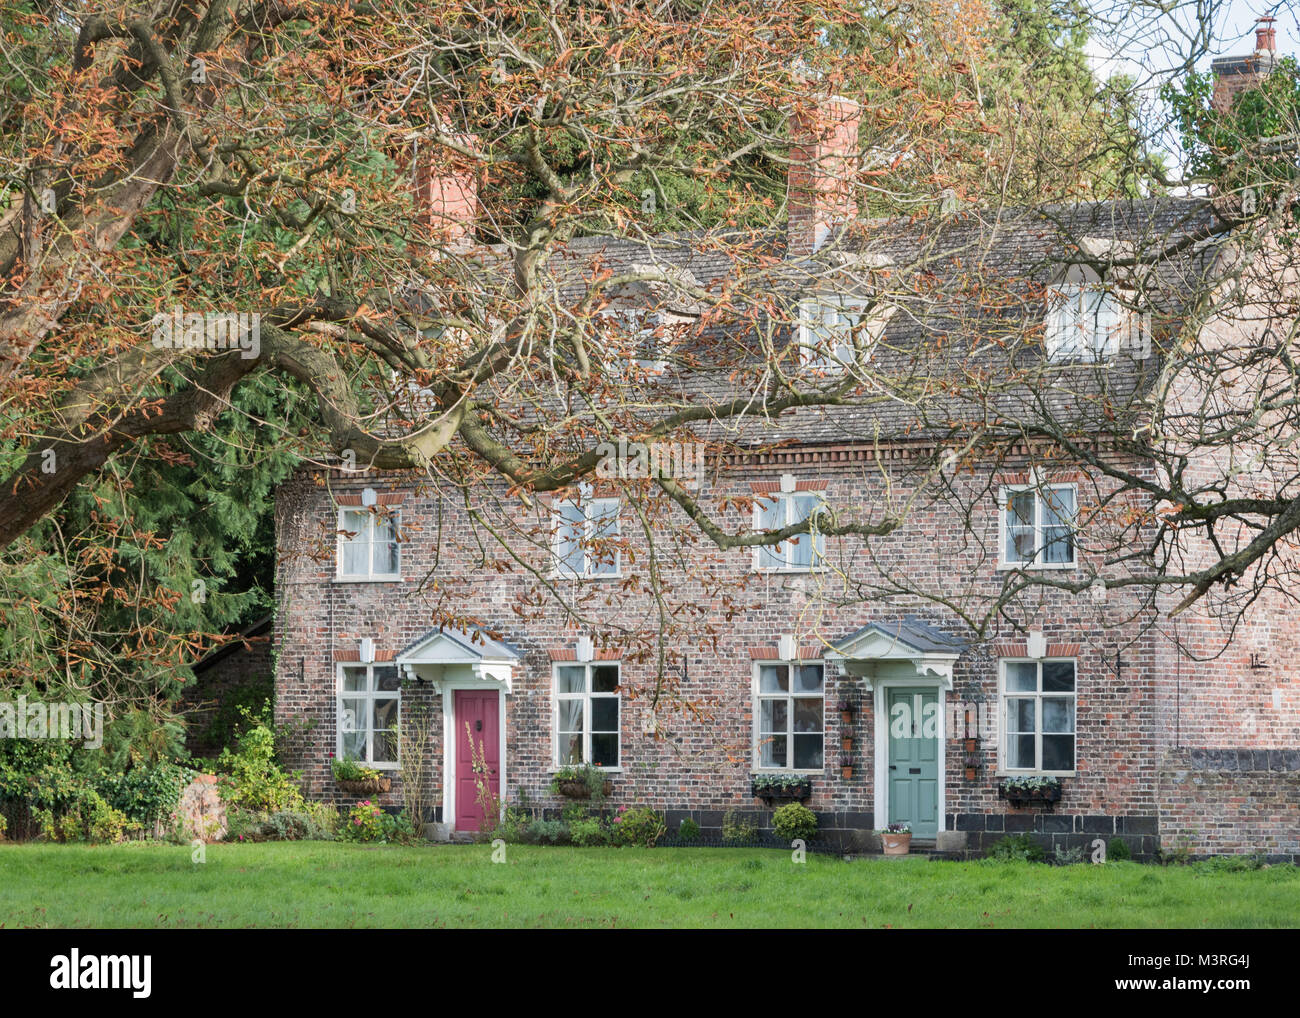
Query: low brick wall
x=1231, y=802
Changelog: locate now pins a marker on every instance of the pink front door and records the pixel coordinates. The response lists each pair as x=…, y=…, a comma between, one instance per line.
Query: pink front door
x=476, y=717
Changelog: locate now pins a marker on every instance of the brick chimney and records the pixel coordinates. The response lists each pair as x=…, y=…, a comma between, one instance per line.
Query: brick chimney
x=1234, y=75
x=446, y=194
x=824, y=160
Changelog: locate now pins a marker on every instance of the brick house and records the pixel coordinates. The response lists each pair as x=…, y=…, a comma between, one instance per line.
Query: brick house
x=1143, y=721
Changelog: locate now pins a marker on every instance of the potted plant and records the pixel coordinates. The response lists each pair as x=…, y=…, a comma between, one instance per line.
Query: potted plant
x=846, y=767
x=897, y=839
x=1031, y=790
x=846, y=712
x=972, y=763
x=846, y=744
x=780, y=786
x=357, y=780
x=581, y=781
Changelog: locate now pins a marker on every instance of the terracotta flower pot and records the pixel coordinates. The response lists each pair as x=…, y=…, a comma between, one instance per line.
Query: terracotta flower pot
x=897, y=844
x=846, y=773
x=970, y=773
x=846, y=744
x=846, y=717
x=970, y=745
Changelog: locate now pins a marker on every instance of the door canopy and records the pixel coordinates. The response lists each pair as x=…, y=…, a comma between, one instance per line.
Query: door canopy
x=909, y=640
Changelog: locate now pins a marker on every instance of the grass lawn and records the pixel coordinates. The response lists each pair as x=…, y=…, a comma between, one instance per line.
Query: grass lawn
x=311, y=884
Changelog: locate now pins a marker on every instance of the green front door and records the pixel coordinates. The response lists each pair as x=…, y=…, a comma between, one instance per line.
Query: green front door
x=914, y=759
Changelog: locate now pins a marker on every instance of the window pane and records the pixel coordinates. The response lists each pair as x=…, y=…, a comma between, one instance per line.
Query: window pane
x=569, y=679
x=387, y=679
x=1058, y=676
x=772, y=751
x=1058, y=714
x=1058, y=544
x=771, y=516
x=604, y=678
x=604, y=750
x=603, y=551
x=570, y=749
x=356, y=557
x=352, y=716
x=385, y=713
x=1058, y=752
x=1020, y=715
x=773, y=716
x=807, y=715
x=604, y=714
x=773, y=679
x=1020, y=752
x=354, y=745
x=1022, y=677
x=1020, y=509
x=385, y=747
x=808, y=679
x=354, y=680
x=807, y=751
x=568, y=715
x=569, y=527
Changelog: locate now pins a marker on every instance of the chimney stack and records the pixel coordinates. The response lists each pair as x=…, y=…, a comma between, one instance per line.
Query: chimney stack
x=824, y=162
x=446, y=195
x=1234, y=75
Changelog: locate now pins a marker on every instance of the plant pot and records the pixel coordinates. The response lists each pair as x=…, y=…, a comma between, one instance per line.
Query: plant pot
x=846, y=744
x=579, y=789
x=370, y=786
x=897, y=844
x=846, y=717
x=970, y=773
x=846, y=773
x=970, y=745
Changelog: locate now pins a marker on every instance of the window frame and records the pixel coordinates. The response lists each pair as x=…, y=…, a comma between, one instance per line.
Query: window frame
x=369, y=695
x=1003, y=728
x=586, y=697
x=587, y=502
x=394, y=514
x=811, y=314
x=1005, y=493
x=757, y=698
x=816, y=561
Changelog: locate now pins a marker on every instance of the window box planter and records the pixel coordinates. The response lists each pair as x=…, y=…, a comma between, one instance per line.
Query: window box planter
x=1031, y=791
x=367, y=786
x=770, y=788
x=580, y=789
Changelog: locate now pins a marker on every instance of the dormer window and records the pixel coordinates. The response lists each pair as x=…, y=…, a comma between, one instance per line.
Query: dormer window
x=1084, y=323
x=829, y=332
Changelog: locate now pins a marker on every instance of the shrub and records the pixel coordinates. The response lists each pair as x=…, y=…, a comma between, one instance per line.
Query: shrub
x=4, y=826
x=546, y=832
x=738, y=828
x=640, y=825
x=147, y=795
x=1117, y=850
x=398, y=829
x=795, y=820
x=514, y=824
x=1068, y=856
x=365, y=822
x=90, y=818
x=689, y=830
x=289, y=825
x=253, y=780
x=588, y=832
x=1018, y=847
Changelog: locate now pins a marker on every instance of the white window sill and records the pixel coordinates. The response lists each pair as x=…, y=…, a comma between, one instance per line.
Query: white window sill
x=555, y=769
x=369, y=579
x=393, y=767
x=794, y=773
x=789, y=571
x=1034, y=567
x=1035, y=774
x=574, y=577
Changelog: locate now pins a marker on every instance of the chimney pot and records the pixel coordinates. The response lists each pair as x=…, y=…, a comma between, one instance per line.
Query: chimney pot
x=1265, y=34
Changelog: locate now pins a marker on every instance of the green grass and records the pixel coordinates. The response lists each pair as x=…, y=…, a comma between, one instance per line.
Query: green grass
x=323, y=884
